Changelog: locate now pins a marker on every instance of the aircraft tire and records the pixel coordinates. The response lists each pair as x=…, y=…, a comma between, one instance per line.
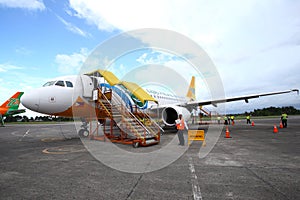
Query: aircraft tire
x=83, y=133
x=135, y=144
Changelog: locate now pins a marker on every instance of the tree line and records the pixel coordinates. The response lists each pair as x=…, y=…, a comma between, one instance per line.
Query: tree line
x=273, y=111
x=24, y=118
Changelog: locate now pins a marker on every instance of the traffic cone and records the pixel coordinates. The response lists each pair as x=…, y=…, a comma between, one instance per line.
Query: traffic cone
x=252, y=124
x=227, y=133
x=275, y=130
x=280, y=125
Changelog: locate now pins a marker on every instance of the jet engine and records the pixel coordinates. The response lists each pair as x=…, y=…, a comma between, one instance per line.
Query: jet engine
x=171, y=113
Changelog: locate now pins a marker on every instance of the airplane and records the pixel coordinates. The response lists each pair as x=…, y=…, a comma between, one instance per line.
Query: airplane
x=76, y=95
x=10, y=107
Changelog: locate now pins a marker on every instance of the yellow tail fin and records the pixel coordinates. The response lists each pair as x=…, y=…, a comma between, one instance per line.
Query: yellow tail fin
x=191, y=91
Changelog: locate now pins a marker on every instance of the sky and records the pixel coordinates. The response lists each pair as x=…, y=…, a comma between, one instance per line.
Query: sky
x=255, y=45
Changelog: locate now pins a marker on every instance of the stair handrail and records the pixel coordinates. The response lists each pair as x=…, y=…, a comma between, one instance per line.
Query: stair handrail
x=152, y=120
x=105, y=98
x=118, y=102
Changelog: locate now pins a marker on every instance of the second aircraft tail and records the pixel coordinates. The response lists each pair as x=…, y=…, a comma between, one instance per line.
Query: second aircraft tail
x=13, y=102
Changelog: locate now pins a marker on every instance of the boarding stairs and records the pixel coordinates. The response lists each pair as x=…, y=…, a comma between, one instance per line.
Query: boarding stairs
x=206, y=111
x=211, y=114
x=132, y=128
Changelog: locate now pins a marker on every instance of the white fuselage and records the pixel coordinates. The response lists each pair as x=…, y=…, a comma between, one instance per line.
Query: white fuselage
x=58, y=96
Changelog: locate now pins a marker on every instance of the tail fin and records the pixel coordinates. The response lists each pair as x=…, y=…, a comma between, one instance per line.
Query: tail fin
x=13, y=102
x=191, y=91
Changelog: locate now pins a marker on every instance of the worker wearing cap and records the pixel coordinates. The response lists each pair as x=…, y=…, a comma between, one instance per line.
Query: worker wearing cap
x=181, y=125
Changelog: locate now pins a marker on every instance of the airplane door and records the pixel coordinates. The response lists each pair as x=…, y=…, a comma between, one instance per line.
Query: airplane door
x=87, y=85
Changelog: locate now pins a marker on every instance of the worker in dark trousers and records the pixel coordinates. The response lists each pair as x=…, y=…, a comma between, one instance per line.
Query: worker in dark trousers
x=228, y=119
x=181, y=125
x=1, y=120
x=284, y=117
x=225, y=120
x=248, y=119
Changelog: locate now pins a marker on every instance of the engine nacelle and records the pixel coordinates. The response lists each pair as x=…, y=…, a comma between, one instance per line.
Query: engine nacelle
x=171, y=113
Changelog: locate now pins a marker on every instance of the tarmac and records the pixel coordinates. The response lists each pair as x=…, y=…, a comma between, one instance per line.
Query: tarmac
x=49, y=161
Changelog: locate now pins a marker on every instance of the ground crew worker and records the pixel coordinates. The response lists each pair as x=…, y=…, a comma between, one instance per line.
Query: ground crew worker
x=284, y=117
x=1, y=120
x=228, y=119
x=194, y=115
x=232, y=119
x=219, y=119
x=248, y=119
x=199, y=114
x=225, y=120
x=181, y=125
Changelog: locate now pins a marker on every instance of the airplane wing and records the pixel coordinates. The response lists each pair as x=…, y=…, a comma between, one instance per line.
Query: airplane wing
x=245, y=98
x=14, y=112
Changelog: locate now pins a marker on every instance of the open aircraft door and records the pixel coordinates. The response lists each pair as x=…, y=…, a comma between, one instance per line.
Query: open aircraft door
x=87, y=86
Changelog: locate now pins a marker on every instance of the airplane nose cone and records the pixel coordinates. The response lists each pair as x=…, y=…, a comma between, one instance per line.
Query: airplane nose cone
x=31, y=101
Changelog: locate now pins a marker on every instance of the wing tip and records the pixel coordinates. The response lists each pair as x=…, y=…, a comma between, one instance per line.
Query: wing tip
x=295, y=90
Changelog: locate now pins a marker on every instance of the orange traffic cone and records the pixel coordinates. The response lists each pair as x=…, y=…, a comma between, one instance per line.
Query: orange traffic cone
x=252, y=124
x=227, y=134
x=280, y=125
x=275, y=130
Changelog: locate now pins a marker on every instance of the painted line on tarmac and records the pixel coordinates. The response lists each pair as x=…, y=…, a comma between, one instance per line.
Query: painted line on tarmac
x=194, y=180
x=53, y=139
x=14, y=133
x=63, y=150
x=26, y=133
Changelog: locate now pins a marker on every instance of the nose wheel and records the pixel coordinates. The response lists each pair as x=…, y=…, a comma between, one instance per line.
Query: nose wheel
x=83, y=133
x=135, y=144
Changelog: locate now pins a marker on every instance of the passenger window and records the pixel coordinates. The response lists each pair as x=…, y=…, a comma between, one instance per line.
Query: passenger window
x=60, y=83
x=69, y=84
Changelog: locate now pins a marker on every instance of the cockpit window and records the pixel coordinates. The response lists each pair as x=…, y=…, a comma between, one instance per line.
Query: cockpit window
x=69, y=84
x=49, y=83
x=60, y=83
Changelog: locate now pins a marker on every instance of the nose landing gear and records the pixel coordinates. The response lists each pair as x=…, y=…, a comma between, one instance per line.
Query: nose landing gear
x=84, y=132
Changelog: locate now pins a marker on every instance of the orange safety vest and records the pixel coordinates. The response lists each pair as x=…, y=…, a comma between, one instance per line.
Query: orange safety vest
x=180, y=126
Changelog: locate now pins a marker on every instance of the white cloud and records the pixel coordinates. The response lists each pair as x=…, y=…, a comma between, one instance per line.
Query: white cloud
x=201, y=20
x=24, y=4
x=8, y=67
x=71, y=64
x=179, y=66
x=254, y=44
x=71, y=27
x=23, y=51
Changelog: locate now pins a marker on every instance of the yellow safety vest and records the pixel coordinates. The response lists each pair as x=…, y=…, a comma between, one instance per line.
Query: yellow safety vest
x=284, y=116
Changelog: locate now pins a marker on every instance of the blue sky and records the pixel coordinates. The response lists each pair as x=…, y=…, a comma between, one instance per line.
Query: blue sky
x=254, y=45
